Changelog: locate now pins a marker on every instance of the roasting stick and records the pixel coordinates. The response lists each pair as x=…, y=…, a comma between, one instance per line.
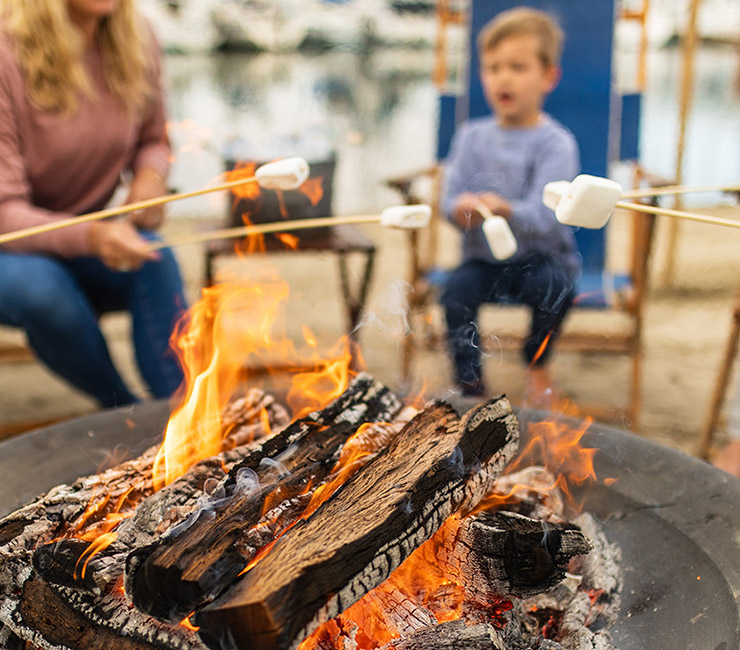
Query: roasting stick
x=406, y=217
x=677, y=214
x=649, y=192
x=588, y=202
x=286, y=174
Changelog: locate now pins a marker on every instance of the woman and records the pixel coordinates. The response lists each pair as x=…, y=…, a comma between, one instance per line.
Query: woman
x=80, y=107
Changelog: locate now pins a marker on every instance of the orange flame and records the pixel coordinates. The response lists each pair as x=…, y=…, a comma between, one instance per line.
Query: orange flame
x=540, y=350
x=250, y=244
x=234, y=325
x=290, y=241
x=243, y=171
x=556, y=445
x=103, y=541
x=313, y=189
x=187, y=624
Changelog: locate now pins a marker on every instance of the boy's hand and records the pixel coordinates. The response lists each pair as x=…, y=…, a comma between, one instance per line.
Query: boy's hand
x=496, y=204
x=147, y=184
x=466, y=213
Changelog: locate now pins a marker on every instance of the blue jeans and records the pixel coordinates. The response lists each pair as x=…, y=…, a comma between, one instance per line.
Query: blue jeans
x=58, y=301
x=536, y=281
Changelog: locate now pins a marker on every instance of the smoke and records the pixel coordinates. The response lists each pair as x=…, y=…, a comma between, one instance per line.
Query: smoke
x=391, y=316
x=274, y=470
x=216, y=495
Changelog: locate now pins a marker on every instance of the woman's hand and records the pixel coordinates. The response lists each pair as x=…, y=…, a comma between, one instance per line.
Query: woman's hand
x=147, y=184
x=119, y=245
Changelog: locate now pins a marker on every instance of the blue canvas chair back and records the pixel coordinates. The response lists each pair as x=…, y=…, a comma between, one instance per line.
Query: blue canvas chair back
x=604, y=124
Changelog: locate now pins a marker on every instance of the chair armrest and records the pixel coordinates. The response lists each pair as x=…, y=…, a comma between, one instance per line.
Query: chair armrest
x=403, y=184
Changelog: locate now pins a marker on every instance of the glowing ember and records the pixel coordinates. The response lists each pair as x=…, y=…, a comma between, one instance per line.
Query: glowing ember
x=417, y=583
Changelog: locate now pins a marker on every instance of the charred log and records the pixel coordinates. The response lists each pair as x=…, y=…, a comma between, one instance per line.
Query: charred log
x=437, y=465
x=504, y=553
x=59, y=624
x=261, y=496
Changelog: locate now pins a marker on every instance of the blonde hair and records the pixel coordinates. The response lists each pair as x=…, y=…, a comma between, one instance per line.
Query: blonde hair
x=524, y=21
x=50, y=51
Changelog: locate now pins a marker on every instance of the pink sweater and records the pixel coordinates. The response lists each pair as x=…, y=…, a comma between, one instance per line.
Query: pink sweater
x=54, y=166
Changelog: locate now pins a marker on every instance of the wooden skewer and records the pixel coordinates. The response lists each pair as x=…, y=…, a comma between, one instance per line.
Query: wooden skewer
x=677, y=214
x=112, y=212
x=260, y=229
x=678, y=189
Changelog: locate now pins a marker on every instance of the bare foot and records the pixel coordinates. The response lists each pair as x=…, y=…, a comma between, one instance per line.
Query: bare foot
x=728, y=459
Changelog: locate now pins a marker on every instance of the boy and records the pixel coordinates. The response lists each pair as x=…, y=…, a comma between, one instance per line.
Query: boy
x=504, y=162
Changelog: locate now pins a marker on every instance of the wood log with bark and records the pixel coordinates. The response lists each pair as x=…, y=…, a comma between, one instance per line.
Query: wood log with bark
x=439, y=464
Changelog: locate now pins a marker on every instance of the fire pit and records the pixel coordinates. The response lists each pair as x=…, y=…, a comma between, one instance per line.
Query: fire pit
x=674, y=517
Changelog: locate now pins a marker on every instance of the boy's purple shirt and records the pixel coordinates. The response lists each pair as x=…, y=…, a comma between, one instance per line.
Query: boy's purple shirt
x=516, y=164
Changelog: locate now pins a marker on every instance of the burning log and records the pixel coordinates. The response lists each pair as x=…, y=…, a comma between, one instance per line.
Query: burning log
x=504, y=553
x=436, y=466
x=195, y=562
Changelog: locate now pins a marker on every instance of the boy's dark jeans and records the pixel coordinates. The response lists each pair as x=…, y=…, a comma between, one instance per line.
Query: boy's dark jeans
x=536, y=281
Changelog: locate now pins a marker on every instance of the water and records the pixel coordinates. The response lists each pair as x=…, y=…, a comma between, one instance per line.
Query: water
x=712, y=153
x=378, y=112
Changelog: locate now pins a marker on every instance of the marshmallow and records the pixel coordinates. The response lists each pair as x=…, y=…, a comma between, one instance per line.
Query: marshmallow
x=286, y=174
x=498, y=234
x=499, y=237
x=587, y=202
x=406, y=216
x=553, y=192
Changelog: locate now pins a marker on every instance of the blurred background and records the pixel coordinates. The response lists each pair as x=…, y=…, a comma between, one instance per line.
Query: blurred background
x=359, y=82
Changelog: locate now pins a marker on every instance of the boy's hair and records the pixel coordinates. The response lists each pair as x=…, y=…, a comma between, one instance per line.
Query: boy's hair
x=524, y=21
